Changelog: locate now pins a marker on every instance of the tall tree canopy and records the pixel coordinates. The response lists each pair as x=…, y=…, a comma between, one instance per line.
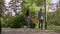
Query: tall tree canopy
x=32, y=5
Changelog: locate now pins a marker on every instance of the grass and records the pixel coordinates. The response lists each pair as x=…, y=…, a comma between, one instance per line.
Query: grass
x=53, y=27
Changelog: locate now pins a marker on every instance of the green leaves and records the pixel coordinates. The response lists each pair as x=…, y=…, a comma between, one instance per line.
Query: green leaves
x=39, y=2
x=34, y=8
x=48, y=2
x=27, y=3
x=34, y=5
x=57, y=18
x=54, y=18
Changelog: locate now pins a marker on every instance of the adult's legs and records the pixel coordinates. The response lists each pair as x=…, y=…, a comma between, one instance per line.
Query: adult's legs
x=28, y=22
x=41, y=24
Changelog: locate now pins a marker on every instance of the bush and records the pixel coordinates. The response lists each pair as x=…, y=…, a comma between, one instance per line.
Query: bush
x=18, y=22
x=54, y=18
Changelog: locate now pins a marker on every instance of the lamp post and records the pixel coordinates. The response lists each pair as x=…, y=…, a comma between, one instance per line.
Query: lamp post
x=45, y=14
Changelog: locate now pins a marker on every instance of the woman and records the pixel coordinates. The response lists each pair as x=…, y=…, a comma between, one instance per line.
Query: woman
x=28, y=18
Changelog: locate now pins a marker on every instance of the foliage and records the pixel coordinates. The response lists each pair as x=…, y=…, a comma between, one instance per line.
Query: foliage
x=39, y=2
x=57, y=18
x=1, y=10
x=1, y=7
x=31, y=5
x=34, y=6
x=50, y=18
x=48, y=2
x=18, y=22
x=54, y=18
x=14, y=22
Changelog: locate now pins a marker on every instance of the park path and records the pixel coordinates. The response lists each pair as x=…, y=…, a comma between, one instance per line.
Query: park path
x=28, y=31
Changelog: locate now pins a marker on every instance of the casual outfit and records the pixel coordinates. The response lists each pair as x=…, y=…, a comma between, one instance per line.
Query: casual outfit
x=28, y=19
x=34, y=22
x=40, y=16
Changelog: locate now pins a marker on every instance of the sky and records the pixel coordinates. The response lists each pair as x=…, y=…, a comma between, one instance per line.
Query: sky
x=54, y=1
x=7, y=1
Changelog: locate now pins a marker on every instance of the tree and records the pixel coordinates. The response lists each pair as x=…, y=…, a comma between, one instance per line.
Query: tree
x=46, y=2
x=32, y=5
x=1, y=7
x=1, y=10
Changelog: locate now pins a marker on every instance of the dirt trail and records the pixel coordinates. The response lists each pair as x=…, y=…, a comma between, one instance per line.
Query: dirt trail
x=28, y=31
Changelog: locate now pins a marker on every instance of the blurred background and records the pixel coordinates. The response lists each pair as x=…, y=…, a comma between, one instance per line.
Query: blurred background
x=13, y=12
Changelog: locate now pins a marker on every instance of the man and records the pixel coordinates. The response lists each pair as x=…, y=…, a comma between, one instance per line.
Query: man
x=28, y=18
x=40, y=17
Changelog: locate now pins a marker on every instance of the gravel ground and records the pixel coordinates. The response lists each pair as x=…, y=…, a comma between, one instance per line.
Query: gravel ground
x=28, y=31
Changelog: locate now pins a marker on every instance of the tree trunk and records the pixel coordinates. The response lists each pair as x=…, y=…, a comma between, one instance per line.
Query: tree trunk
x=45, y=14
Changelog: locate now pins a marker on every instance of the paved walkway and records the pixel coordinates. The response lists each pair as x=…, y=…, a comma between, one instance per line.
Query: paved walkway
x=28, y=31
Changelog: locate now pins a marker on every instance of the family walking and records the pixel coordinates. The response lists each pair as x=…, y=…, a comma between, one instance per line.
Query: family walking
x=40, y=19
